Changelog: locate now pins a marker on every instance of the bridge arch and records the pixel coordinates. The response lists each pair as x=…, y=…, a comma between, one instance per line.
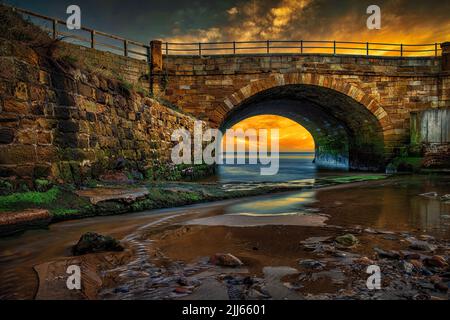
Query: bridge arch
x=347, y=125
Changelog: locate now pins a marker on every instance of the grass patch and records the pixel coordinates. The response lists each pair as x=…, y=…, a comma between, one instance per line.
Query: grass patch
x=32, y=198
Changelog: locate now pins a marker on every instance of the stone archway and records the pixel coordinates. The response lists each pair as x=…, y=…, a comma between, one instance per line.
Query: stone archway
x=346, y=124
x=332, y=82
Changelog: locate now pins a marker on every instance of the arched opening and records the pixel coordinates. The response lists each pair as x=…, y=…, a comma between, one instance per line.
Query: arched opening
x=296, y=150
x=347, y=135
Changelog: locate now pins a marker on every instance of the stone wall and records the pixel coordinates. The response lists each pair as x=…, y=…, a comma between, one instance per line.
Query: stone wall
x=210, y=87
x=67, y=123
x=132, y=71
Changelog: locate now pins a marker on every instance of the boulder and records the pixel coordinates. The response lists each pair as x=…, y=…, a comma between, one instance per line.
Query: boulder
x=93, y=243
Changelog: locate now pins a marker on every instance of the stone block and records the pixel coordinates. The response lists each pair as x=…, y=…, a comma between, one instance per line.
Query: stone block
x=17, y=154
x=15, y=106
x=6, y=135
x=21, y=91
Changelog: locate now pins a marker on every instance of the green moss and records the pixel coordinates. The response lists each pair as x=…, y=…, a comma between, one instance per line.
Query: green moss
x=6, y=187
x=180, y=172
x=42, y=185
x=406, y=163
x=60, y=212
x=358, y=178
x=165, y=198
x=16, y=200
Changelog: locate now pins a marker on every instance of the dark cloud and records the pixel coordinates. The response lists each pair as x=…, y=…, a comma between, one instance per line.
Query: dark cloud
x=207, y=20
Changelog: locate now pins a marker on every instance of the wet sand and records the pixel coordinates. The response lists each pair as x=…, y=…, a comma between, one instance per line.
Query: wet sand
x=286, y=242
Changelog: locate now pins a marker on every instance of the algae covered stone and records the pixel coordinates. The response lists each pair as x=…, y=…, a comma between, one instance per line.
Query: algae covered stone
x=92, y=242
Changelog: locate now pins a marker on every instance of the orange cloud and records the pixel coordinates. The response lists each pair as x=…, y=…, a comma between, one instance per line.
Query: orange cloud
x=403, y=21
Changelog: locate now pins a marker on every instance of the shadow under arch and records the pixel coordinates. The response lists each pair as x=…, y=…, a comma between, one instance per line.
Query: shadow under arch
x=346, y=134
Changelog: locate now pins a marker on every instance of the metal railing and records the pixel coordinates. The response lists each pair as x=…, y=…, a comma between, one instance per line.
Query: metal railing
x=302, y=47
x=93, y=39
x=89, y=37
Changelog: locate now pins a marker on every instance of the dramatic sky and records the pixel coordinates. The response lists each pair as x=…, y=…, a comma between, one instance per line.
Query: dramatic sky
x=403, y=21
x=407, y=21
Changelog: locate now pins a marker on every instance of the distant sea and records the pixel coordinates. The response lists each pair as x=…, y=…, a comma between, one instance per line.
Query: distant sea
x=292, y=166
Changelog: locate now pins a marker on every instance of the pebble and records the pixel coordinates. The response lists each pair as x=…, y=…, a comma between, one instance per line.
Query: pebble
x=311, y=264
x=365, y=261
x=347, y=240
x=422, y=246
x=436, y=261
x=181, y=290
x=417, y=264
x=225, y=260
x=407, y=267
x=441, y=286
x=429, y=195
x=387, y=254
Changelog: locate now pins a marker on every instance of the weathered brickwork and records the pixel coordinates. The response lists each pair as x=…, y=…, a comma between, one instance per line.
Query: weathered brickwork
x=132, y=71
x=62, y=122
x=390, y=88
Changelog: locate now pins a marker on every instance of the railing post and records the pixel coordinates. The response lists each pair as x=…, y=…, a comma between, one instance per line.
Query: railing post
x=149, y=56
x=167, y=48
x=234, y=47
x=401, y=50
x=334, y=47
x=125, y=48
x=367, y=48
x=301, y=46
x=156, y=62
x=435, y=49
x=445, y=56
x=268, y=46
x=199, y=49
x=92, y=39
x=55, y=31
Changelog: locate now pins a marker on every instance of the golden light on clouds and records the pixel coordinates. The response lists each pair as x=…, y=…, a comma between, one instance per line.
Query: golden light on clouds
x=403, y=21
x=292, y=136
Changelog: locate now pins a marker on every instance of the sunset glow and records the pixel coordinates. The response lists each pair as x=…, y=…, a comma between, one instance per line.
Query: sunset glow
x=293, y=137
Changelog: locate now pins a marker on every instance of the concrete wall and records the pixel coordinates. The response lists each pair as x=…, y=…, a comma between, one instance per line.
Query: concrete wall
x=430, y=126
x=430, y=130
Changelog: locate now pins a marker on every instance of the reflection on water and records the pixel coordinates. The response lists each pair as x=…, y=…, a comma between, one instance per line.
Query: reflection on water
x=292, y=203
x=397, y=206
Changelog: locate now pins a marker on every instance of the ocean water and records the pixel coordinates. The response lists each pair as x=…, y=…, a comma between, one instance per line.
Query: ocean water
x=292, y=167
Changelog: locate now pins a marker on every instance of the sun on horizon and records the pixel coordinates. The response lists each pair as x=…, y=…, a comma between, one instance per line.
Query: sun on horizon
x=292, y=136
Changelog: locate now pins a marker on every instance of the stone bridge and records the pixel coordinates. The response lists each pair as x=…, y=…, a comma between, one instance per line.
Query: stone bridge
x=357, y=108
